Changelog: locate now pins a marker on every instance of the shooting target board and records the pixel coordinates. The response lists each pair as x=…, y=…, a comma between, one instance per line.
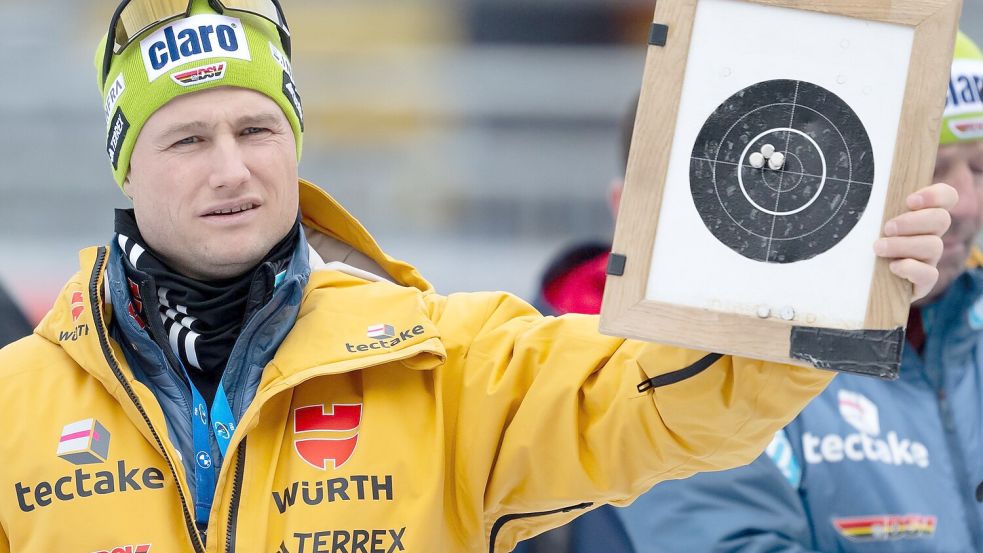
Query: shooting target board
x=772, y=142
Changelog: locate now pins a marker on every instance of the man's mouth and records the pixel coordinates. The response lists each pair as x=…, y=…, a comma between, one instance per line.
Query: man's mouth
x=232, y=210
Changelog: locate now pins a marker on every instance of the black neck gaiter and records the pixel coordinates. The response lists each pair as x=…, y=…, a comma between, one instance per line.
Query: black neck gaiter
x=199, y=320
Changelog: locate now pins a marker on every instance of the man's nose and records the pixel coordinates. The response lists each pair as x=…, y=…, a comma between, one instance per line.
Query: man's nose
x=229, y=167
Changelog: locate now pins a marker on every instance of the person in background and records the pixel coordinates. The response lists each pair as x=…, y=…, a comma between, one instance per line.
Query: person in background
x=892, y=467
x=13, y=324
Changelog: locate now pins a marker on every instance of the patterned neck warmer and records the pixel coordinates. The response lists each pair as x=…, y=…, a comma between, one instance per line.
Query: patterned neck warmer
x=195, y=320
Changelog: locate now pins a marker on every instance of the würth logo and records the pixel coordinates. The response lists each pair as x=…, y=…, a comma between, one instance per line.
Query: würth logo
x=84, y=442
x=78, y=305
x=340, y=422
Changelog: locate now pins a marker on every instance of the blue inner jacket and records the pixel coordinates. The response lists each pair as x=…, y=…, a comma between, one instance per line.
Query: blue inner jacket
x=256, y=345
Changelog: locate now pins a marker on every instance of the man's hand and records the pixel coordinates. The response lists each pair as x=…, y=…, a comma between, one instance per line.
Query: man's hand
x=914, y=239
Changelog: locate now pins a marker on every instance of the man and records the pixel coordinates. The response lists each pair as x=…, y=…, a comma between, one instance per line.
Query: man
x=869, y=465
x=13, y=325
x=232, y=371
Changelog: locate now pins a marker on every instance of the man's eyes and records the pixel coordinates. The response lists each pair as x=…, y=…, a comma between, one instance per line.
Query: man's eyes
x=246, y=132
x=187, y=141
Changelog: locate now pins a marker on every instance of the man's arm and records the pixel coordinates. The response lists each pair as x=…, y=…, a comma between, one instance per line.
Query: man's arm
x=548, y=416
x=752, y=509
x=548, y=419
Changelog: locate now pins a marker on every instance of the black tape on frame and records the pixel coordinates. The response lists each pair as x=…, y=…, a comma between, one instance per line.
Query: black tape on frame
x=616, y=264
x=659, y=34
x=868, y=352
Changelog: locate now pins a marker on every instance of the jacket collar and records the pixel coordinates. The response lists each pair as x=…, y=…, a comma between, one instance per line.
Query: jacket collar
x=953, y=328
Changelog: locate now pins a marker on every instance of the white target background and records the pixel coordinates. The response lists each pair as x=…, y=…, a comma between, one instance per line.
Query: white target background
x=866, y=65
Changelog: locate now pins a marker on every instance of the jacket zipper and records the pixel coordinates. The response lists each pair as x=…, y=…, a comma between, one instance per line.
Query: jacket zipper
x=101, y=333
x=502, y=521
x=239, y=461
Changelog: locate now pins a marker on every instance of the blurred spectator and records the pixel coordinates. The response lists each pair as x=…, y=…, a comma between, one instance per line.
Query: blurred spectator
x=869, y=465
x=13, y=325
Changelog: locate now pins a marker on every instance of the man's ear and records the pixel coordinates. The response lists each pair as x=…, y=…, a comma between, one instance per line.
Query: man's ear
x=126, y=187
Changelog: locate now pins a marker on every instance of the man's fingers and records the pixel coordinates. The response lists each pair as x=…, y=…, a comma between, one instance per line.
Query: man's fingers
x=938, y=195
x=922, y=276
x=925, y=247
x=935, y=220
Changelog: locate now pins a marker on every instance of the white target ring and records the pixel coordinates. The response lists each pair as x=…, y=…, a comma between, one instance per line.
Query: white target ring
x=819, y=189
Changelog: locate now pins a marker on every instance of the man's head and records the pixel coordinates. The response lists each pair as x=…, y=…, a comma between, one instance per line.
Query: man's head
x=203, y=117
x=960, y=160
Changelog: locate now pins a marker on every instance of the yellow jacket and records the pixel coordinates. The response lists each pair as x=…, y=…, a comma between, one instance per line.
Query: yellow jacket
x=391, y=419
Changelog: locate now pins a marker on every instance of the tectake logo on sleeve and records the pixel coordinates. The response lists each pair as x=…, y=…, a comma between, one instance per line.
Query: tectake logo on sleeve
x=337, y=431
x=193, y=39
x=385, y=337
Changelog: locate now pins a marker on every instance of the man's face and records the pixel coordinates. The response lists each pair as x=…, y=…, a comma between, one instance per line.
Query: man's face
x=960, y=165
x=213, y=179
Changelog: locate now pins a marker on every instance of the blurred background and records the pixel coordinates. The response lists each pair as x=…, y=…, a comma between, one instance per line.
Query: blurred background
x=473, y=138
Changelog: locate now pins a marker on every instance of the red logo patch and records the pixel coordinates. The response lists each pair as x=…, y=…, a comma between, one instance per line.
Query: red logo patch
x=341, y=420
x=145, y=548
x=78, y=305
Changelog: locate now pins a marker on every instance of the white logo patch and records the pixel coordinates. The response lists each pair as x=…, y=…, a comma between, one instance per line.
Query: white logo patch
x=115, y=91
x=281, y=59
x=860, y=412
x=193, y=39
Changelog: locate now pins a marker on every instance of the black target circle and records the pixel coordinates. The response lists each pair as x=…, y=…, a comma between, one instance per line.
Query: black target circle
x=800, y=208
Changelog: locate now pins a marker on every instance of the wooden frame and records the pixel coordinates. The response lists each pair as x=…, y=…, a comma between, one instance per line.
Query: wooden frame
x=627, y=311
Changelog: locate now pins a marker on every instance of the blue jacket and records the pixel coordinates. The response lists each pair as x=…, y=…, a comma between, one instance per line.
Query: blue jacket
x=869, y=466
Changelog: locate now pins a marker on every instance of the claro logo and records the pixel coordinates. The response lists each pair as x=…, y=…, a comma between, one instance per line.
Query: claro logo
x=866, y=444
x=193, y=39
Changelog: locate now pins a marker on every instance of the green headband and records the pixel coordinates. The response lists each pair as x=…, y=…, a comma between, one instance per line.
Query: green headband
x=963, y=119
x=187, y=55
